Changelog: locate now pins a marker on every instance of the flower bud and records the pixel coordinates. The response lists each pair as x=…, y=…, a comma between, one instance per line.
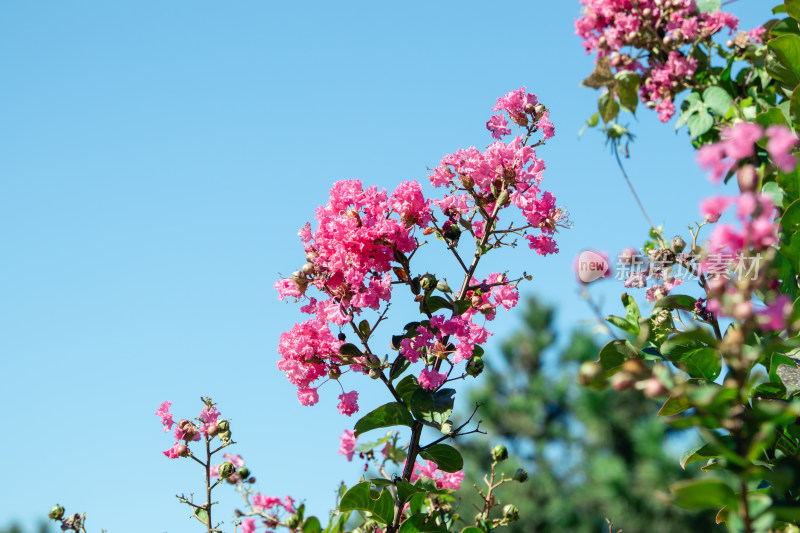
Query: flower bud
x=293, y=521
x=678, y=244
x=189, y=430
x=621, y=381
x=646, y=12
x=521, y=475
x=308, y=268
x=729, y=43
x=223, y=425
x=374, y=373
x=539, y=110
x=590, y=373
x=444, y=287
x=529, y=108
x=372, y=360
x=243, y=472
x=742, y=311
x=511, y=513
x=56, y=512
x=747, y=178
x=475, y=366
x=213, y=430
x=334, y=372
x=653, y=388
x=226, y=470
x=486, y=309
x=182, y=450
x=428, y=282
x=476, y=300
x=499, y=453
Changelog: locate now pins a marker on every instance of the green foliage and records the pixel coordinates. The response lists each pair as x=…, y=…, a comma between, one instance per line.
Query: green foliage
x=591, y=454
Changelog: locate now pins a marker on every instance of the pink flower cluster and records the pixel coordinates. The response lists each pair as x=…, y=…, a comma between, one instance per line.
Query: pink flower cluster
x=618, y=29
x=728, y=245
x=663, y=82
x=738, y=143
x=476, y=178
x=363, y=235
x=444, y=480
x=608, y=26
x=268, y=503
x=348, y=444
x=186, y=431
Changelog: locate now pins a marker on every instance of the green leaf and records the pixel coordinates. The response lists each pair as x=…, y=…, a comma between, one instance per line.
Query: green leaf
x=594, y=120
x=471, y=529
x=783, y=59
x=676, y=301
x=769, y=390
x=699, y=123
x=794, y=106
x=388, y=415
x=627, y=89
x=406, y=387
x=790, y=239
x=312, y=525
x=359, y=498
x=460, y=306
x=202, y=515
x=632, y=310
x=350, y=349
x=623, y=324
x=708, y=6
x=687, y=341
x=779, y=9
x=420, y=523
x=614, y=354
x=400, y=364
x=706, y=493
x=769, y=117
x=674, y=405
x=406, y=490
x=601, y=77
x=363, y=327
x=793, y=8
x=718, y=100
x=446, y=457
x=705, y=363
x=608, y=106
x=432, y=408
x=435, y=303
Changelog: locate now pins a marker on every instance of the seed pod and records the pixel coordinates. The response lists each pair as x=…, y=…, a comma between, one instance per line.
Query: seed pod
x=511, y=512
x=499, y=453
x=521, y=475
x=475, y=366
x=226, y=470
x=56, y=512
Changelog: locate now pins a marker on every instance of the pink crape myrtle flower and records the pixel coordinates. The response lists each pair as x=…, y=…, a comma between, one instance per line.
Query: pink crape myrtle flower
x=209, y=418
x=773, y=317
x=498, y=125
x=249, y=525
x=444, y=480
x=781, y=141
x=431, y=380
x=713, y=207
x=348, y=403
x=348, y=444
x=175, y=451
x=166, y=416
x=307, y=396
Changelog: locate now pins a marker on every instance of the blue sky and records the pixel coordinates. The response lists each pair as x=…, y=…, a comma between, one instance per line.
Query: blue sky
x=157, y=160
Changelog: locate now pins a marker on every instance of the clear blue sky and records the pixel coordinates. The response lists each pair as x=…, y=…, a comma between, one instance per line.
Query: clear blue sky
x=156, y=161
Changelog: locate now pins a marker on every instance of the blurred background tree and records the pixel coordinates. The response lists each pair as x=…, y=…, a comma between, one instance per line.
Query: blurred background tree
x=590, y=454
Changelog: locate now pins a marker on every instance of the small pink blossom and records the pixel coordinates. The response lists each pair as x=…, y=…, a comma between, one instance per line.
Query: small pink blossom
x=308, y=396
x=774, y=315
x=781, y=141
x=431, y=380
x=175, y=451
x=348, y=444
x=248, y=525
x=166, y=416
x=498, y=126
x=547, y=127
x=756, y=34
x=348, y=403
x=444, y=480
x=712, y=208
x=741, y=140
